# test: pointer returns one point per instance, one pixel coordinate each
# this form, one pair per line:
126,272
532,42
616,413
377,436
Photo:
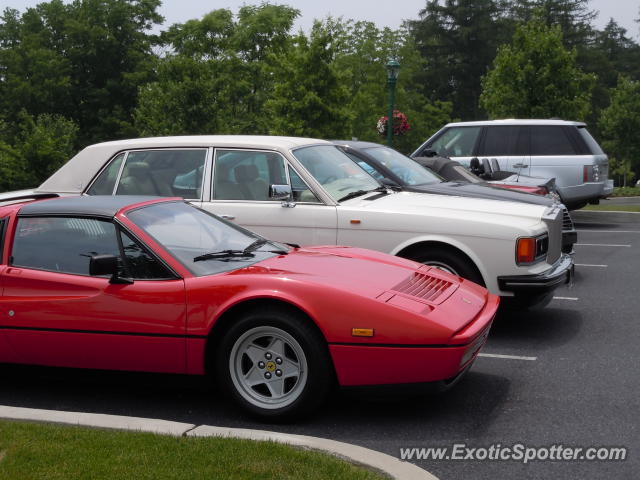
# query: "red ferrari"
157,285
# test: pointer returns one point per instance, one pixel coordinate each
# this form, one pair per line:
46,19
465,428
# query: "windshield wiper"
230,253
359,193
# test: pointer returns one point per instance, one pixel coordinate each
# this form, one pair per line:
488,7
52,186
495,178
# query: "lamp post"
393,67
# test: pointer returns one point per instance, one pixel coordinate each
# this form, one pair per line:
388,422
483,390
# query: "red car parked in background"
148,284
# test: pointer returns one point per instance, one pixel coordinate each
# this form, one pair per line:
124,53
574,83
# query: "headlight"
531,249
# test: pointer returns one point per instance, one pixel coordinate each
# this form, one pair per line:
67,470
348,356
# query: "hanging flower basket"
400,124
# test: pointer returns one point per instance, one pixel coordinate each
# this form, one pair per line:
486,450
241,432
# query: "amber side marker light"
362,332
526,250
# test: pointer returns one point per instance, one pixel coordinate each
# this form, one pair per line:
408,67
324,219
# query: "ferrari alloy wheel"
275,363
268,367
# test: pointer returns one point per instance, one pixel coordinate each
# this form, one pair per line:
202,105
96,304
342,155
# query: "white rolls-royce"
307,191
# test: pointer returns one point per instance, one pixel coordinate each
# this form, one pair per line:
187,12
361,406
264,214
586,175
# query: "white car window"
456,142
335,171
246,174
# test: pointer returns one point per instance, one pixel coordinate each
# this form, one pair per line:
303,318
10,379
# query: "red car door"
52,312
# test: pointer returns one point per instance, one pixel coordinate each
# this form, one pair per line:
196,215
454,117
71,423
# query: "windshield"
409,171
191,235
335,171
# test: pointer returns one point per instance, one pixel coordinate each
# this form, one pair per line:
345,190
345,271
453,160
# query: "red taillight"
526,250
585,173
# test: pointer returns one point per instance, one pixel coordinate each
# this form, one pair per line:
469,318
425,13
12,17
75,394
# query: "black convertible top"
97,205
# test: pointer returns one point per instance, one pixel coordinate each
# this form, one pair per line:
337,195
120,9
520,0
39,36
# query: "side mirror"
107,265
282,193
279,192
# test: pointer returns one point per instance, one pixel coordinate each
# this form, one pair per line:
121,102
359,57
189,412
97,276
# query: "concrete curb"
382,462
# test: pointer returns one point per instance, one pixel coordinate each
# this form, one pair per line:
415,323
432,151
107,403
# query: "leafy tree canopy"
536,77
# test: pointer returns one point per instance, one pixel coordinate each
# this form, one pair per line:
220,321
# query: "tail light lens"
591,173
531,249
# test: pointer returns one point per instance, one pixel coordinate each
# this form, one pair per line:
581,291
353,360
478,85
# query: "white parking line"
508,357
590,265
600,245
573,299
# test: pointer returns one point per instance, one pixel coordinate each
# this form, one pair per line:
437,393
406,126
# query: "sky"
384,13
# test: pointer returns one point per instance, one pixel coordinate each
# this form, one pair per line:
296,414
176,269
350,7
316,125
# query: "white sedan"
307,191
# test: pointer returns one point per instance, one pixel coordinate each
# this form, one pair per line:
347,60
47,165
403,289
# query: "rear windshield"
593,146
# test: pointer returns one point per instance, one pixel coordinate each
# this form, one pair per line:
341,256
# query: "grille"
567,223
423,286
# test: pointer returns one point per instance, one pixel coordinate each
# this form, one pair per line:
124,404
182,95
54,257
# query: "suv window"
504,141
75,241
165,173
247,175
592,145
456,142
550,140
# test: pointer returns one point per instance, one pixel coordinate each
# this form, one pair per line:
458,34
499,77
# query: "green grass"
30,451
626,192
613,208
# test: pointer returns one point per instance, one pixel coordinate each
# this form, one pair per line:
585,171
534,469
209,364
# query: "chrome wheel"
268,367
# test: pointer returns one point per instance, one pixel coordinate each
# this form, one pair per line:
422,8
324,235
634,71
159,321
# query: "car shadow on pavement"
534,329
466,409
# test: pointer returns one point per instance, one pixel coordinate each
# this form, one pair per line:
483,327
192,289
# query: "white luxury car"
306,191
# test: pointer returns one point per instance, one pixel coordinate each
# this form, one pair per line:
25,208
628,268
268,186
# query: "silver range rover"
556,149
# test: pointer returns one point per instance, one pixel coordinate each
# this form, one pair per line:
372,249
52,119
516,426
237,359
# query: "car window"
105,182
140,264
403,167
504,140
203,243
366,167
165,173
593,146
550,140
335,171
62,244
246,175
300,190
456,142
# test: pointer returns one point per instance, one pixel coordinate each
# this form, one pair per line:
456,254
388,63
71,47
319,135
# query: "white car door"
240,193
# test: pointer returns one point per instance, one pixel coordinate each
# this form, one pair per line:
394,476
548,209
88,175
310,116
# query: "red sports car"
148,284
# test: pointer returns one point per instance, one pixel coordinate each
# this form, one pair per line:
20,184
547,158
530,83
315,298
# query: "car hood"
341,284
360,271
462,189
448,207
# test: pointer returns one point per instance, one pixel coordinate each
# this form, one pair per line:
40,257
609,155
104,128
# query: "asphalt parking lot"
563,375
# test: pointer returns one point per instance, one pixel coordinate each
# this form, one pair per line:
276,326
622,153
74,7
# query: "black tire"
311,389
453,261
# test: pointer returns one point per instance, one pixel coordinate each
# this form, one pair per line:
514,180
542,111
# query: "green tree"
620,123
83,60
363,52
573,17
536,77
309,96
41,145
458,39
216,77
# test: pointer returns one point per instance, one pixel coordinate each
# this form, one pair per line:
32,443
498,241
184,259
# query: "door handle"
520,165
228,217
